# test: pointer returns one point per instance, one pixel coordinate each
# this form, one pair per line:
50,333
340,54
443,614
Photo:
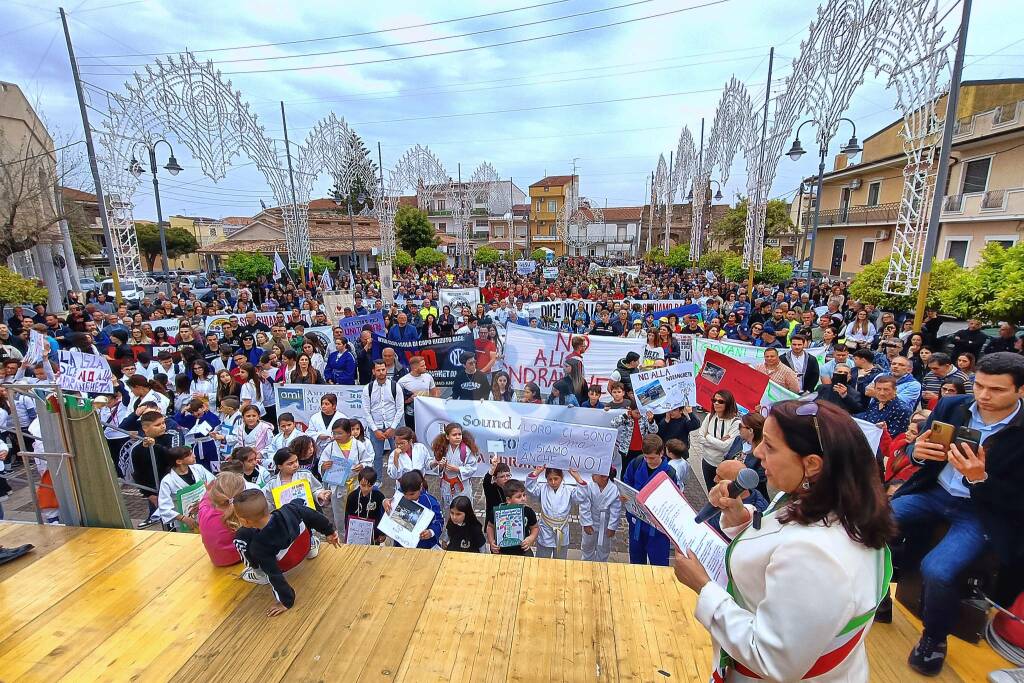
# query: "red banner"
722,372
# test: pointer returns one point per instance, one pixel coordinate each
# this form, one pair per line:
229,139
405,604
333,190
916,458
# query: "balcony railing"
854,215
954,203
994,200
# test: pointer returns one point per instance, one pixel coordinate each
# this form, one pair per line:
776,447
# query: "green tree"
357,165
993,290
413,230
732,226
15,289
866,285
402,259
539,255
486,256
179,242
319,263
511,255
245,265
679,256
713,261
773,270
428,257
655,255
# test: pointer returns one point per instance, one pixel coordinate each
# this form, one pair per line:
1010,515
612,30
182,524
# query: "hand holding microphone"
727,497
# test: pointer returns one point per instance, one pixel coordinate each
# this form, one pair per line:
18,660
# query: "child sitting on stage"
600,514
515,494
184,472
366,502
273,542
217,520
287,464
555,505
465,535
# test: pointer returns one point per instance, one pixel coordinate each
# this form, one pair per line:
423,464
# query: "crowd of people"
192,404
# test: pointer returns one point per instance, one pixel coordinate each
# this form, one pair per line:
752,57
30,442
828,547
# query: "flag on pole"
352,281
326,282
310,274
278,267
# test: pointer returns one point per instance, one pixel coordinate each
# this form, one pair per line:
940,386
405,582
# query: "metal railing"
855,215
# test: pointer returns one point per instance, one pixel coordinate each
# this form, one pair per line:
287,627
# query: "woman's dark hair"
507,395
848,486
970,356
958,385
755,423
464,505
730,403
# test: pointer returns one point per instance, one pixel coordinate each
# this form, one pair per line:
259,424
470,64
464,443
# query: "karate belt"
454,482
558,525
841,646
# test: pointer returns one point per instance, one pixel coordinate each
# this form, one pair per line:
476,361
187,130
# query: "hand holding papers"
408,519
665,504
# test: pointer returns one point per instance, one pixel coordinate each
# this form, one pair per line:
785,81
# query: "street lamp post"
172,167
796,151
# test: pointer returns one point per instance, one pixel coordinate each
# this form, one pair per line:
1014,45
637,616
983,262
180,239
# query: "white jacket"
420,458
800,585
708,442
601,507
384,409
360,453
171,484
555,507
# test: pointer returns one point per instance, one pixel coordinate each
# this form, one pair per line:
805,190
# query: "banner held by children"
566,446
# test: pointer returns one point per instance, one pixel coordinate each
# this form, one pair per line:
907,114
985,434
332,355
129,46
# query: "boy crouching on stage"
272,542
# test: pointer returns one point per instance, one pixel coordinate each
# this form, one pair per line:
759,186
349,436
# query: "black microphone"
746,480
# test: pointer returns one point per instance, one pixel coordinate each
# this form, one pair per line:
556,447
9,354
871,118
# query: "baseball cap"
768,329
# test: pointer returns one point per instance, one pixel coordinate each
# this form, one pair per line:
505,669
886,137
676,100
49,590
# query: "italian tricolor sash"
840,647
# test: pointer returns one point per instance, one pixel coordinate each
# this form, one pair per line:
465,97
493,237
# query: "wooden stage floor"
101,604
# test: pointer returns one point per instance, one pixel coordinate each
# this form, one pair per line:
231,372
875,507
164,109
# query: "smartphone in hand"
971,437
942,434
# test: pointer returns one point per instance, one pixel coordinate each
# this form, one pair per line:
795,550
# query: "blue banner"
442,355
353,325
680,311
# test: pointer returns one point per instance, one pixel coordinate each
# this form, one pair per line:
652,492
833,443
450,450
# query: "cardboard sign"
566,446
662,389
335,304
526,267
550,273
457,298
298,489
722,372
85,372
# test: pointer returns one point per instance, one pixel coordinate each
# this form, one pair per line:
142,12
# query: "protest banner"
661,389
562,309
443,355
170,325
214,323
387,284
741,351
629,271
680,311
335,304
550,272
495,424
481,277
85,372
353,325
38,347
585,448
685,347
303,400
723,372
457,298
526,267
535,355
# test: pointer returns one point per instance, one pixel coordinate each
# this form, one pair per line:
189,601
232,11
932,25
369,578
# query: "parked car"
88,284
131,289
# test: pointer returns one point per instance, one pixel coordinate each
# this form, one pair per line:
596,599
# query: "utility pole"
942,174
91,149
760,176
291,181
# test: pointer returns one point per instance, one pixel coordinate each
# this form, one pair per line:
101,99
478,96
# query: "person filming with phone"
972,479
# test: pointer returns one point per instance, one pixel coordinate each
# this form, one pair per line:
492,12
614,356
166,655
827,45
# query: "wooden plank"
496,625
532,655
345,641
73,627
45,537
27,594
232,653
159,639
390,648
591,623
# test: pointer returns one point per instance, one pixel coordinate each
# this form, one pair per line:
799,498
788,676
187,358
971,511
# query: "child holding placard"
455,458
184,473
273,542
515,515
340,464
556,501
365,503
600,515
288,471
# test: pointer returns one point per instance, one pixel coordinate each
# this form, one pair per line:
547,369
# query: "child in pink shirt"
217,520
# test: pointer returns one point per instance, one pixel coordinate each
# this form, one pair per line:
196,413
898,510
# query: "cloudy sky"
508,91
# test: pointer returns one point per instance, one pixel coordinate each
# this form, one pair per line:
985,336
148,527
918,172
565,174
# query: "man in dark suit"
976,491
804,364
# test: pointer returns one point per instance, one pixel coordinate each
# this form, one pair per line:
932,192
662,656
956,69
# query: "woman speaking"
806,576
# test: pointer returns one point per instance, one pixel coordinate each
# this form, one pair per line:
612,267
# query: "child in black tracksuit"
272,542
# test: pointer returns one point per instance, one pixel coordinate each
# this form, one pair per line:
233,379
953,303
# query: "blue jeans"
964,542
378,452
